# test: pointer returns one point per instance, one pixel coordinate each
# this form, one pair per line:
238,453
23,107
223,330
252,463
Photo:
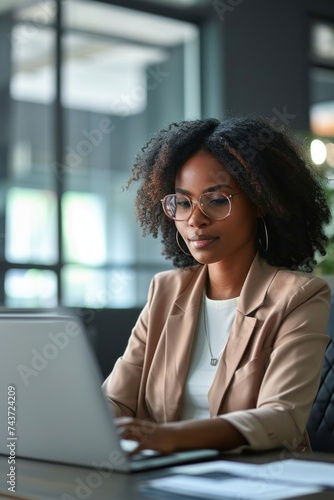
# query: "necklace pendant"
214,361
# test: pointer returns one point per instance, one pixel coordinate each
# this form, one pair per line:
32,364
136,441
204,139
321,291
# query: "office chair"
320,425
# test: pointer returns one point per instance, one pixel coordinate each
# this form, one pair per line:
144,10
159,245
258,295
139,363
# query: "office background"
83,86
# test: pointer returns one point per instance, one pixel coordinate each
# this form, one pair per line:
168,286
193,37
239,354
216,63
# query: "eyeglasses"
215,205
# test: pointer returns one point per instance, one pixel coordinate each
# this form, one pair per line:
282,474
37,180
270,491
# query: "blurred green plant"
326,264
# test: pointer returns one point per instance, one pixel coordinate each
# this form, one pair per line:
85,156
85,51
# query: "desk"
42,481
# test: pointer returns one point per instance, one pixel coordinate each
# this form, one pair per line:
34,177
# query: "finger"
123,421
136,450
129,433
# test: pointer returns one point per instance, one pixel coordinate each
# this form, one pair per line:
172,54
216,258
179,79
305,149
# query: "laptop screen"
50,392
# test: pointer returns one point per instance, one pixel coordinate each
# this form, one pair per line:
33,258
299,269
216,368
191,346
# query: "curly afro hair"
269,165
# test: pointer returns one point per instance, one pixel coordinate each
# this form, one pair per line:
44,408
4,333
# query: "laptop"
52,406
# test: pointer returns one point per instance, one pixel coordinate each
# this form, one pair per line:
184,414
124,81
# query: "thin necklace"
214,359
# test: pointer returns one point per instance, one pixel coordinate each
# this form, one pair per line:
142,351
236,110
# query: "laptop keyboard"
129,445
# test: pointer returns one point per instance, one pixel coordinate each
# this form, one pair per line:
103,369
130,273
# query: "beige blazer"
268,375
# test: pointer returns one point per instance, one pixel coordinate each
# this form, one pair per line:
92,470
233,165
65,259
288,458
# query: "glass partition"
110,76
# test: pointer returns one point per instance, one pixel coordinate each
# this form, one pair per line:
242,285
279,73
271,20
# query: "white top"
220,316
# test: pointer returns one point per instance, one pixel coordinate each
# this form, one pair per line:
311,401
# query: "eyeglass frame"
197,201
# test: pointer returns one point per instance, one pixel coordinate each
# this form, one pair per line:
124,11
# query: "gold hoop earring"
179,245
266,245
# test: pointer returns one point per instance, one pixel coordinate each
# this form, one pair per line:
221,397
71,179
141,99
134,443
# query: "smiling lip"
201,241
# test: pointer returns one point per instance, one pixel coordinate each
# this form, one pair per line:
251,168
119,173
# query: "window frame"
208,25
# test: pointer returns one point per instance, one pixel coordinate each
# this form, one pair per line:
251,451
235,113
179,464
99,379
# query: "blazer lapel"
238,339
179,336
252,296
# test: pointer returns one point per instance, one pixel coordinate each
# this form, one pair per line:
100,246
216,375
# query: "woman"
228,350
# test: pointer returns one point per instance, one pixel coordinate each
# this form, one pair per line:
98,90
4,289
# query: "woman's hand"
149,435
213,433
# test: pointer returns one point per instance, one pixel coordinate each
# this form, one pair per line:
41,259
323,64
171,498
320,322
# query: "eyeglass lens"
214,205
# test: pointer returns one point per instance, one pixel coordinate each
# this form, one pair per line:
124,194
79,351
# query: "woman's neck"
225,280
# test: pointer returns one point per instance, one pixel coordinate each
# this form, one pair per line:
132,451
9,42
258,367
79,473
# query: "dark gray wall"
264,53
266,59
